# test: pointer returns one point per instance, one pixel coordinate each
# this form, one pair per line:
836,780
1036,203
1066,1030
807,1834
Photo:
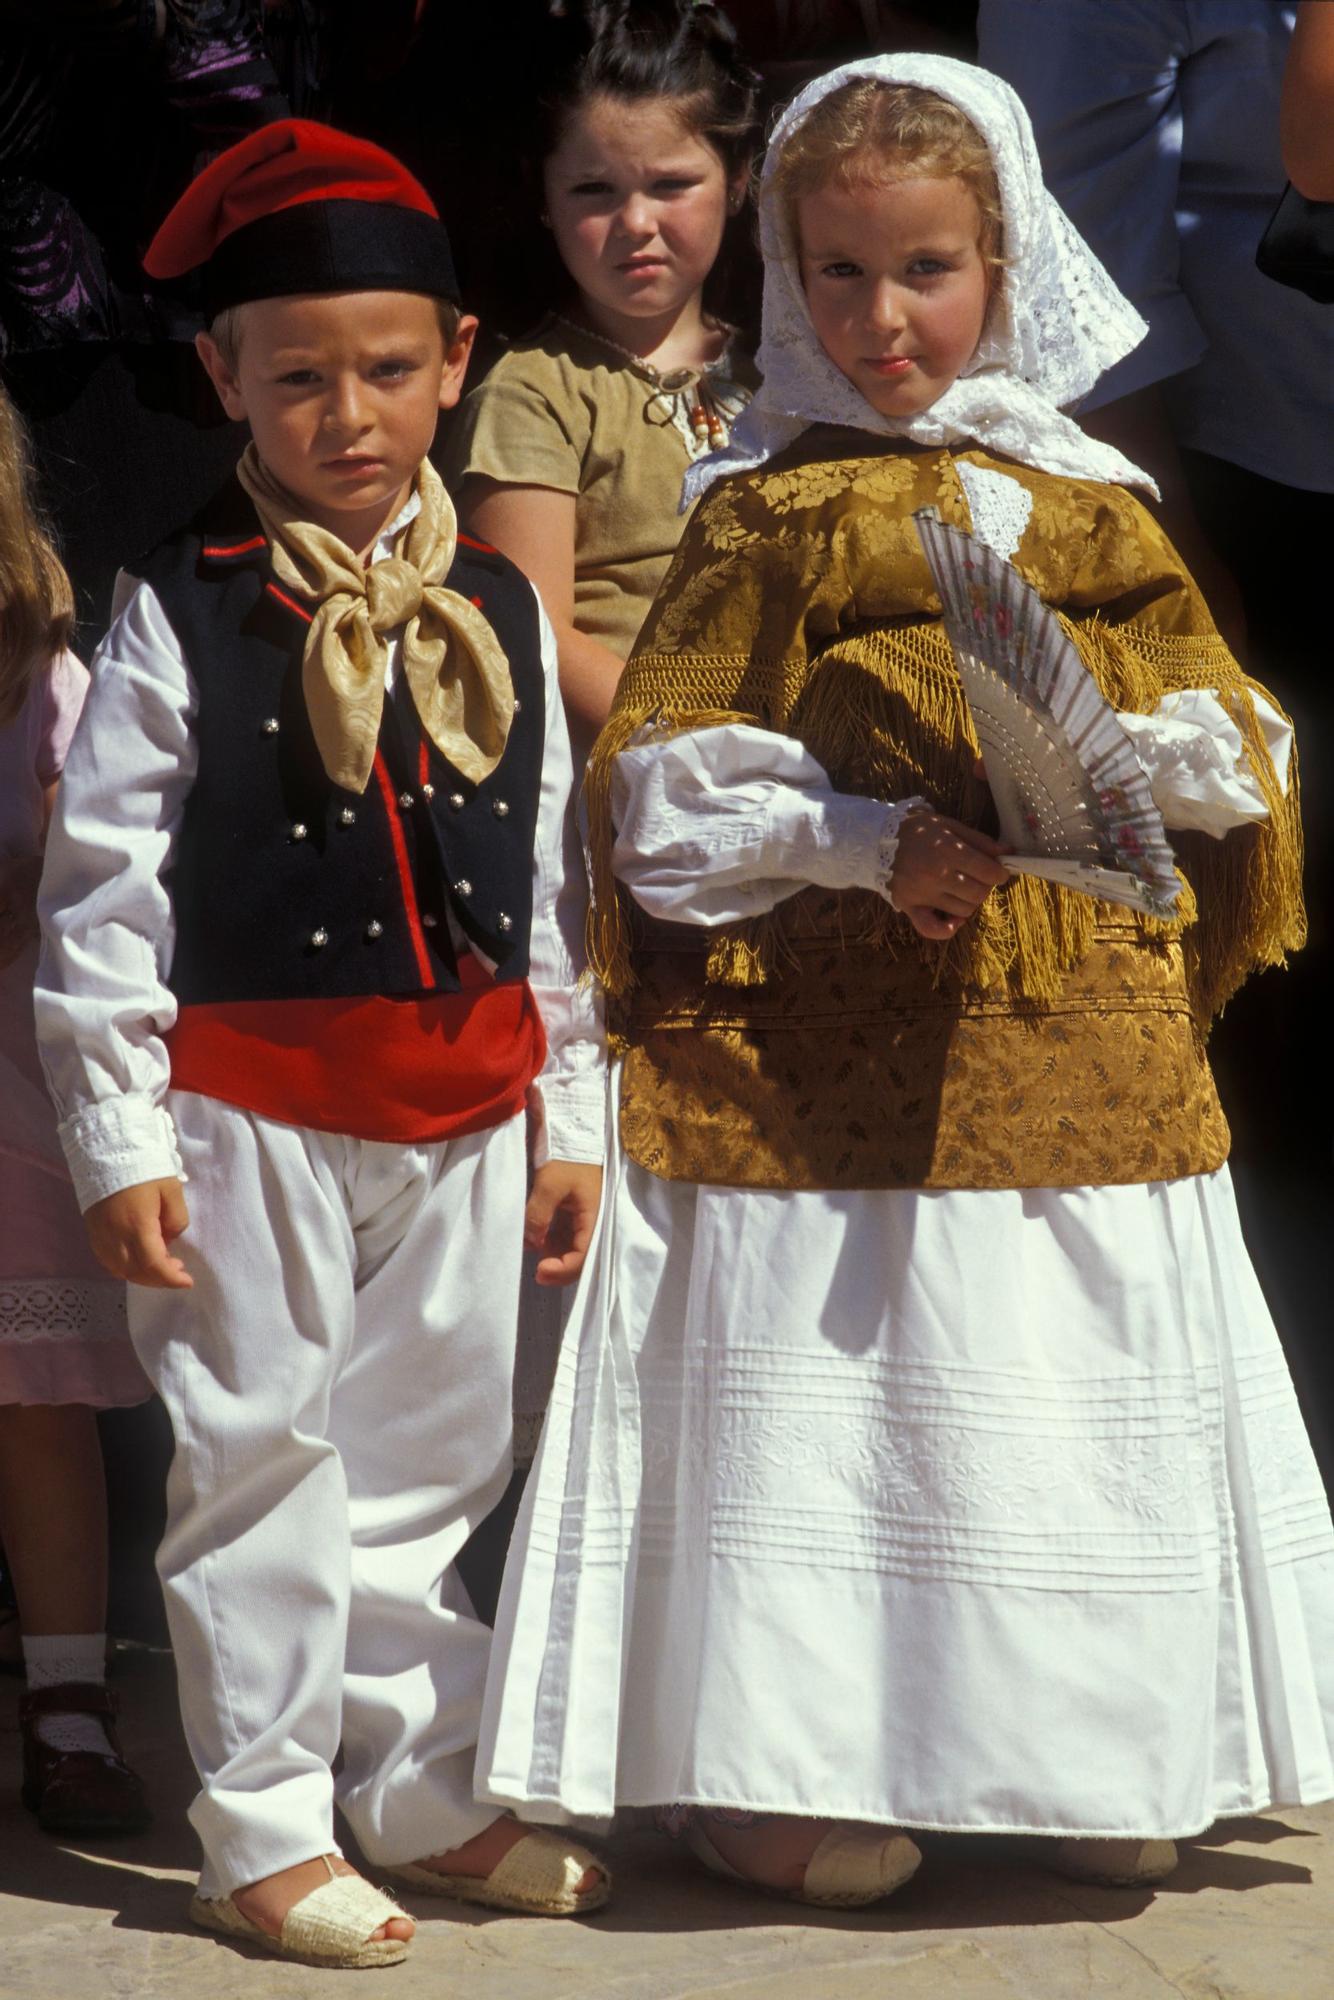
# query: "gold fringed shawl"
800,599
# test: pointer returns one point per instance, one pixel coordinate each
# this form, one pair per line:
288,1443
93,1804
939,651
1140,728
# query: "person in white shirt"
311,948
1158,126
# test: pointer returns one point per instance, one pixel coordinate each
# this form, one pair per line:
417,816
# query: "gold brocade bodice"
1055,1041
849,1068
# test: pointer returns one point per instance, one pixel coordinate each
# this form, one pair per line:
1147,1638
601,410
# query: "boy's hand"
18,905
559,1218
131,1229
942,871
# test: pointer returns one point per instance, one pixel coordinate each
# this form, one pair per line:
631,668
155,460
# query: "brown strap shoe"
78,1791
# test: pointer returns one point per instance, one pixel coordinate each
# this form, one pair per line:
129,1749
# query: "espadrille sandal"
1117,1864
846,1872
333,1926
539,1876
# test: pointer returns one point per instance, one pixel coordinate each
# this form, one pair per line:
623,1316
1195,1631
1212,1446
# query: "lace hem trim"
62,1309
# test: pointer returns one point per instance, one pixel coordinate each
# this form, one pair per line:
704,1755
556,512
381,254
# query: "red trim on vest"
406,886
402,1071
471,541
423,763
236,548
290,602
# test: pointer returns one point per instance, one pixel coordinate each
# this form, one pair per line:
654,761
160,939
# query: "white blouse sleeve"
108,931
1196,763
573,1084
721,824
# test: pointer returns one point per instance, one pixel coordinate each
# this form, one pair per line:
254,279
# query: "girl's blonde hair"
36,602
883,132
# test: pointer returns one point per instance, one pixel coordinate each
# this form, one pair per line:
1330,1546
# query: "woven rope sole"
330,1927
538,1877
1116,1864
847,1871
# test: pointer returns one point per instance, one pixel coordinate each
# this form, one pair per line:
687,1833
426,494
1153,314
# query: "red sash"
405,1071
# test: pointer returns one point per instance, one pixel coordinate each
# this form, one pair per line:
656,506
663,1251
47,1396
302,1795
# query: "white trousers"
338,1382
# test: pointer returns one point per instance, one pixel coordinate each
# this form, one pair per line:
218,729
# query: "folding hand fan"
1071,795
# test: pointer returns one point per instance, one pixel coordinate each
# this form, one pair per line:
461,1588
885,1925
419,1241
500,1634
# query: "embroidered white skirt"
974,1511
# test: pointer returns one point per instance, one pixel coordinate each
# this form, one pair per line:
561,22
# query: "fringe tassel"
884,712
610,911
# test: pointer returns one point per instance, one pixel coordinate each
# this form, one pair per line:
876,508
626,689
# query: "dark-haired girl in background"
572,450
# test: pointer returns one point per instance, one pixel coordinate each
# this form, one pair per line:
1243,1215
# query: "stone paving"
1248,1916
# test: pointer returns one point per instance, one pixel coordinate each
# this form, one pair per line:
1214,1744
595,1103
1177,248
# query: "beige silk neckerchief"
452,660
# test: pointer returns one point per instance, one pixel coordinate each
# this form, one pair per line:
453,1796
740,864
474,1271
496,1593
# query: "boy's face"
897,285
341,393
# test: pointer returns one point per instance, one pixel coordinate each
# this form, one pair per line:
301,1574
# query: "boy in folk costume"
310,946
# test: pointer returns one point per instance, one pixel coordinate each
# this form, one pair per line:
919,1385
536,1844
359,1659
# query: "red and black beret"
297,207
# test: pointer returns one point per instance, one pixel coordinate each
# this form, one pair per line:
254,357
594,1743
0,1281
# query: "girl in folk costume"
64,1342
922,1454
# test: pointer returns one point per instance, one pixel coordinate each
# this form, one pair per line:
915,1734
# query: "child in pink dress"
64,1344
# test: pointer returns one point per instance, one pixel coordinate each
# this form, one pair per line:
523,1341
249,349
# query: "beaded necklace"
707,415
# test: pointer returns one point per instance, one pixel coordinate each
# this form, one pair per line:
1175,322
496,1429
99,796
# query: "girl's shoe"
846,1872
1118,1864
540,1876
333,1926
78,1791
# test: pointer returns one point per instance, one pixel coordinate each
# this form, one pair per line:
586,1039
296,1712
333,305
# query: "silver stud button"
347,817
269,726
319,938
428,791
463,887
504,922
299,830
500,808
374,929
405,799
517,704
456,800
430,919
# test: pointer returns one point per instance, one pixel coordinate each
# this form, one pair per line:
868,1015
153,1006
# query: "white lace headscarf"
1056,323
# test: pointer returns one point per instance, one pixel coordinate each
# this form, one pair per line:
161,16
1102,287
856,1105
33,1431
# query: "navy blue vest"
286,887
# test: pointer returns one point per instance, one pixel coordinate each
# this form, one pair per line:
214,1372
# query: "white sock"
51,1660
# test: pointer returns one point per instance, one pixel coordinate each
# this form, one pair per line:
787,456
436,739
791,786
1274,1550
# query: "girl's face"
637,204
896,285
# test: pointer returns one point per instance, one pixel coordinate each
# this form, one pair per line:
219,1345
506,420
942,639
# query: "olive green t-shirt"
567,410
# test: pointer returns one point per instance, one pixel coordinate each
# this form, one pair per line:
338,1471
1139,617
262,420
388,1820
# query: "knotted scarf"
452,661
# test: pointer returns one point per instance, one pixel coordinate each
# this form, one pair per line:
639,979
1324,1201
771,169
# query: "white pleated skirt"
979,1511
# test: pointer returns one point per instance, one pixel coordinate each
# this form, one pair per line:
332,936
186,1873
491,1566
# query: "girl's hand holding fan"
1072,797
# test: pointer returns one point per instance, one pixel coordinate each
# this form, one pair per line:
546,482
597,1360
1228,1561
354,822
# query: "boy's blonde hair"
876,133
225,330
36,602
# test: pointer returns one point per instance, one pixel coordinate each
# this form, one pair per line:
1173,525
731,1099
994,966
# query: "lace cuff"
870,844
116,1144
1196,764
850,842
